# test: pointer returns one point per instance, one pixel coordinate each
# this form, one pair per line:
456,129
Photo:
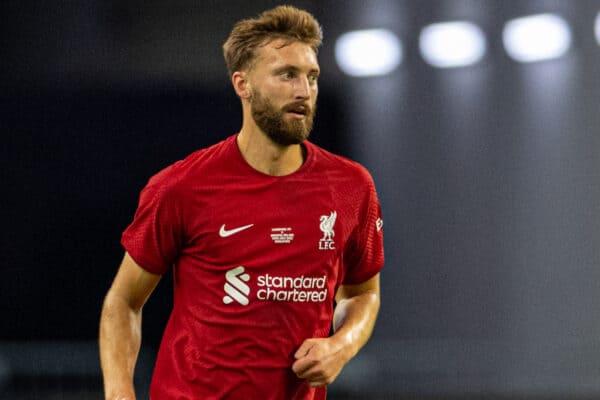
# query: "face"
284,90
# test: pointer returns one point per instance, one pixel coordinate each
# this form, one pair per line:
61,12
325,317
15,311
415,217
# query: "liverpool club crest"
326,226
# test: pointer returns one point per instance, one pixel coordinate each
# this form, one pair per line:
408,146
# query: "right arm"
121,326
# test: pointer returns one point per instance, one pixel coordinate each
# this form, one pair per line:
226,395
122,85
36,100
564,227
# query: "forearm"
120,340
354,319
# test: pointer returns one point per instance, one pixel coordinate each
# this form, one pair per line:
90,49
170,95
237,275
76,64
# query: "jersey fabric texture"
256,263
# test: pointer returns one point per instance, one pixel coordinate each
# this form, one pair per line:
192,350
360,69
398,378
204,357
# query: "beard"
271,121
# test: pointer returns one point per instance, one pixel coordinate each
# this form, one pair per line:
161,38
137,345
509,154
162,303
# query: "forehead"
278,52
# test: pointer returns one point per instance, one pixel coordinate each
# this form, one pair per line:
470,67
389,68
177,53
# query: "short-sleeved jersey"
256,262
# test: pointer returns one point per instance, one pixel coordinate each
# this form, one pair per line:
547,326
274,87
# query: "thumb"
304,348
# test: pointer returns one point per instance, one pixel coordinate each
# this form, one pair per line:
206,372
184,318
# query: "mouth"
297,111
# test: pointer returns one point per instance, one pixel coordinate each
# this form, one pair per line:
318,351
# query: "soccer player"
272,242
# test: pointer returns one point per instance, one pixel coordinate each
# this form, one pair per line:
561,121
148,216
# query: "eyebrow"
294,69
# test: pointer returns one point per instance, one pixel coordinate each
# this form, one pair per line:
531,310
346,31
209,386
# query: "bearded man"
275,244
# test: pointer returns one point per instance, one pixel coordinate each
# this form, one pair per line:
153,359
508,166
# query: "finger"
321,379
304,348
302,366
312,375
317,383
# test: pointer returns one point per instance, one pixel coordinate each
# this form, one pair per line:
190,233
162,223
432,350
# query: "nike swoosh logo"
228,232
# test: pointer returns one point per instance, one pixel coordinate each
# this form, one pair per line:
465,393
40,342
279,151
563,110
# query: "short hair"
283,22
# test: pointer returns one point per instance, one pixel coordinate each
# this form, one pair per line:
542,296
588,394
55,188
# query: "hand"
319,361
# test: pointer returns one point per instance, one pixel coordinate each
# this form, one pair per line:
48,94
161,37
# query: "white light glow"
452,44
536,37
368,52
597,28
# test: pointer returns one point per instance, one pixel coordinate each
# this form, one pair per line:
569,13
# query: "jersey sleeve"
155,236
364,257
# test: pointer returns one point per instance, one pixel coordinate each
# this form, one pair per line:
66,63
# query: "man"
264,232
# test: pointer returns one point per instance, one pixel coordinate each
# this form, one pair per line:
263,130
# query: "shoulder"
177,176
337,166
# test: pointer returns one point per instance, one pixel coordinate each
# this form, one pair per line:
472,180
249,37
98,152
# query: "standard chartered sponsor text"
286,288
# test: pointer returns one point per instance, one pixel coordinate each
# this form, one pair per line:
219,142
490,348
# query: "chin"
287,139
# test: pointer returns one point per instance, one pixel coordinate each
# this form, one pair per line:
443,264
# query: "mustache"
302,106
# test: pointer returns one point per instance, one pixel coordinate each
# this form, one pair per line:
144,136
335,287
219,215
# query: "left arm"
320,361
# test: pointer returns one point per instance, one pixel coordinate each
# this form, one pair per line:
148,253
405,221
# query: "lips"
299,110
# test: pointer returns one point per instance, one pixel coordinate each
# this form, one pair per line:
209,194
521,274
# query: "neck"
262,154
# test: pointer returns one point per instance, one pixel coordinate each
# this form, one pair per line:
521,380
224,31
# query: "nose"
302,88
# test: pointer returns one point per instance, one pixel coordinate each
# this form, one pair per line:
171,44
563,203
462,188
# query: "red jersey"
256,261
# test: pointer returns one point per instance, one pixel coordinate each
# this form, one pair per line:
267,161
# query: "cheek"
277,94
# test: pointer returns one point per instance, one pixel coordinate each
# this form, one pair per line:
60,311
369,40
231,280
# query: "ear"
242,87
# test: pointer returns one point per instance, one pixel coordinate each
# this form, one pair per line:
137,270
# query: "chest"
269,224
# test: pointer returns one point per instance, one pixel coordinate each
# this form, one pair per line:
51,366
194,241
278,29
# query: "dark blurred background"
488,176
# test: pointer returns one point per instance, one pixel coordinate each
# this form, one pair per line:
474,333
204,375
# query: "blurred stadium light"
598,27
536,37
368,52
452,44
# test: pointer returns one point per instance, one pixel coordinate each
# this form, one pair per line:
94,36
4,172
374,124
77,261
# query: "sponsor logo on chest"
298,289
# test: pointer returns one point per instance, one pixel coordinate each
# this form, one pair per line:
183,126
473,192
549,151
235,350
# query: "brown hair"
283,22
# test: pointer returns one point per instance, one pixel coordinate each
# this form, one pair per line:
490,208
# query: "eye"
288,75
313,78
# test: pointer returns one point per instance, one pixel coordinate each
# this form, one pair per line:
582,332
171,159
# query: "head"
272,61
